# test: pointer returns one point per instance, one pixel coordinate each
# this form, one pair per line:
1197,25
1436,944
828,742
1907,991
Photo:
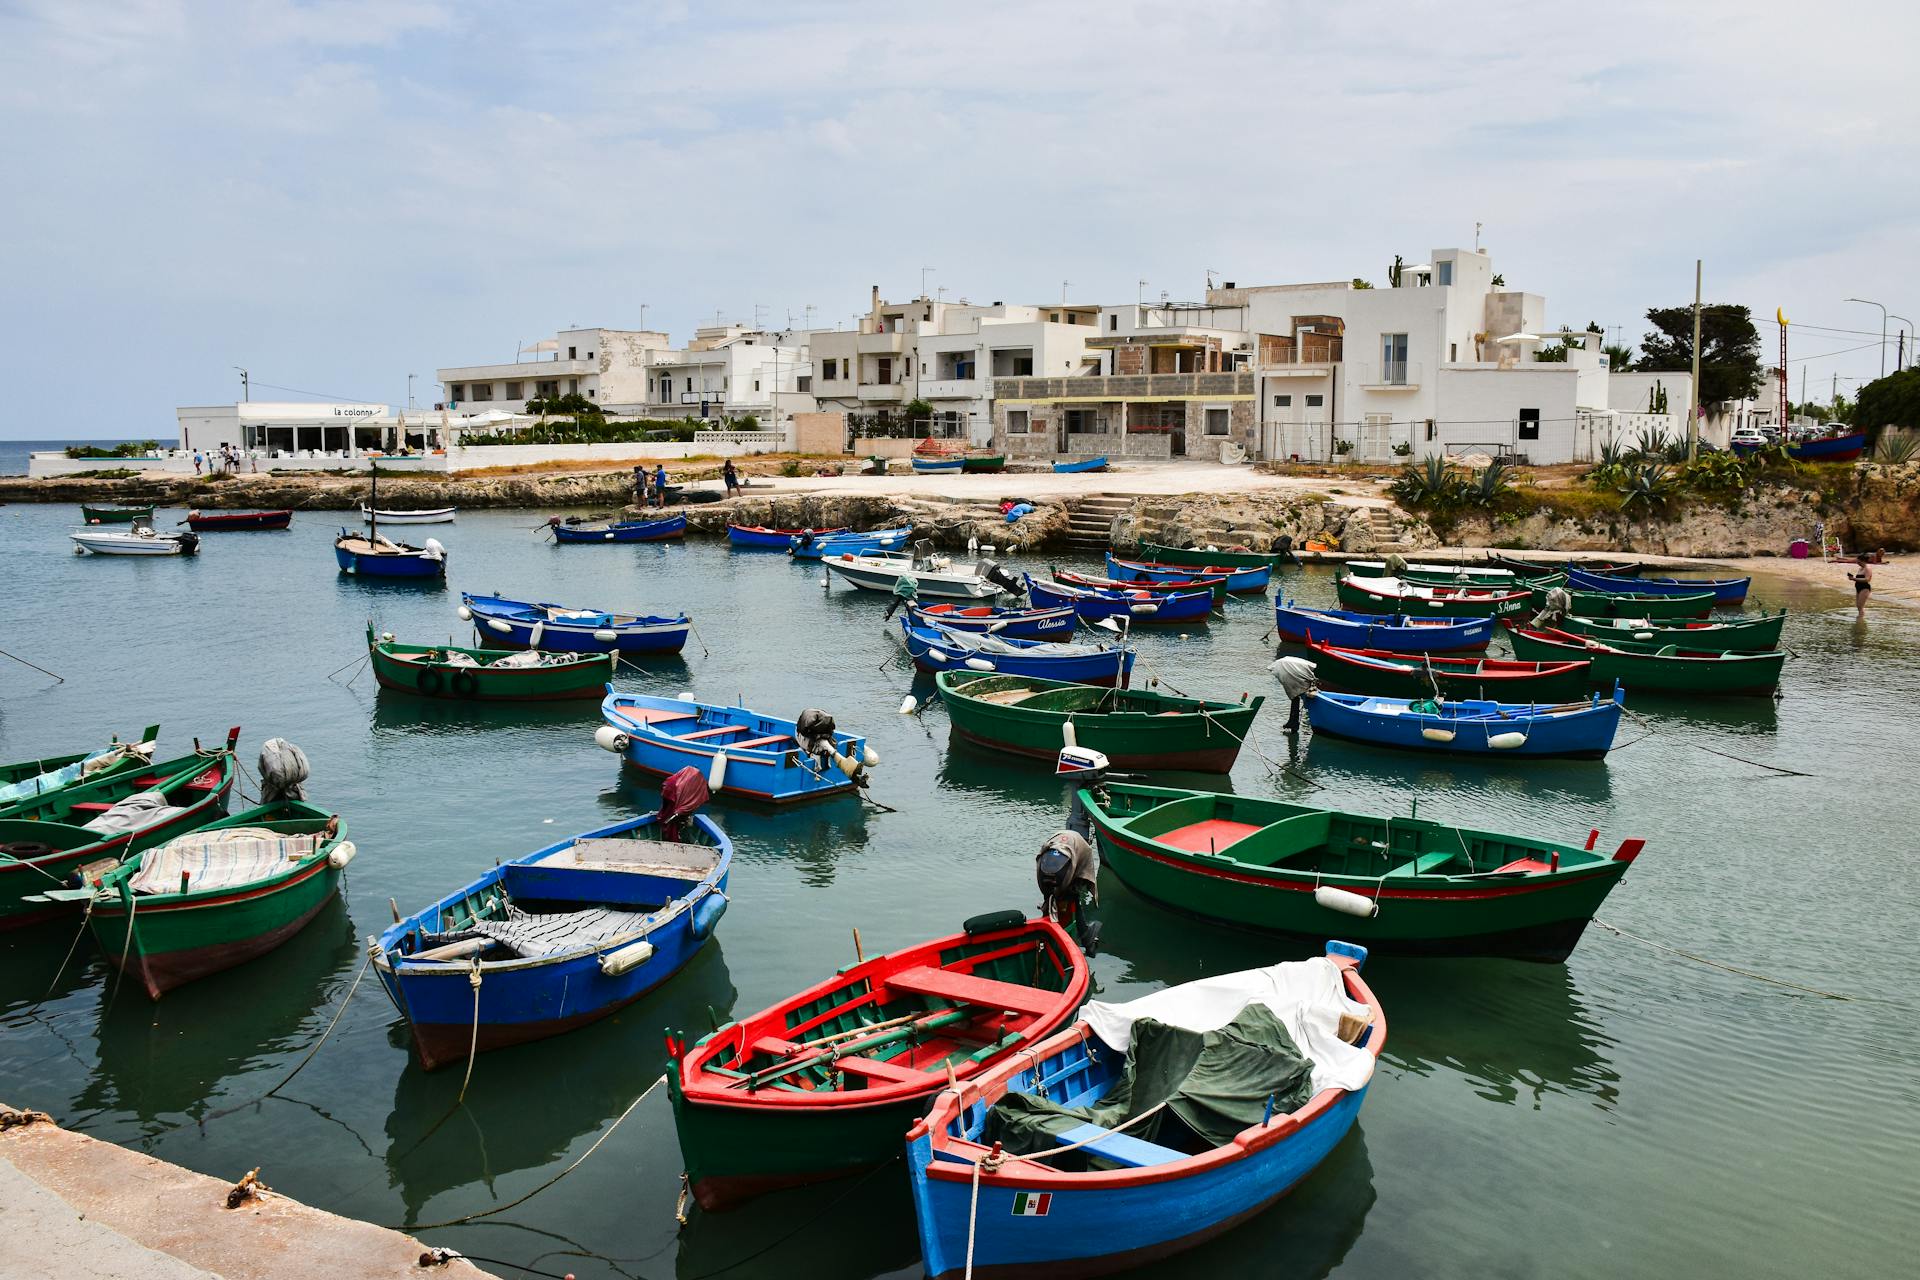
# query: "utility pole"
1780,314
1883,329
245,393
1900,352
1063,291
410,378
1693,391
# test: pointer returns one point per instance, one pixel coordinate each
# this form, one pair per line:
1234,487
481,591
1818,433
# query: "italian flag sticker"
1032,1204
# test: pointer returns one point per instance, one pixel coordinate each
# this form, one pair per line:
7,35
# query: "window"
756,384
1393,358
483,391
590,394
1113,322
513,391
1023,365
1283,402
1529,424
456,391
1016,422
572,353
1314,402
1083,422
1217,424
803,384
1453,353
1430,428
689,386
573,386
1443,272
589,355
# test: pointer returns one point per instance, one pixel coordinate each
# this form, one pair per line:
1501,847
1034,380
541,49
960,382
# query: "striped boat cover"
226,859
528,935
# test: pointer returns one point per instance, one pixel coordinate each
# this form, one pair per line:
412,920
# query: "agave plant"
1425,484
1612,454
1488,484
1647,488
1897,447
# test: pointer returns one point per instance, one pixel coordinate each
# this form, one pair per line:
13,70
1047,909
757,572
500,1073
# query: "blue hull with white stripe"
1726,591
1473,727
933,649
1395,632
763,760
523,624
1142,607
817,546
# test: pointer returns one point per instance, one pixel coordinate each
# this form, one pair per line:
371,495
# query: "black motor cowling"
999,576
1067,870
813,730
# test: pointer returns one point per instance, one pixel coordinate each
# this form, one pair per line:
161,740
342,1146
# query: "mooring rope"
1758,764
1727,968
307,1057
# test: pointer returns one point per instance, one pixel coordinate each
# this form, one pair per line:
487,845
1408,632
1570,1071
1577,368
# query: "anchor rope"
1758,764
1727,968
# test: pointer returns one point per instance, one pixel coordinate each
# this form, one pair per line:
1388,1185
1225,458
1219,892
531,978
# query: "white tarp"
1308,996
137,812
224,859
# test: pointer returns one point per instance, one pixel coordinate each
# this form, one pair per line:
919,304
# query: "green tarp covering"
1215,1082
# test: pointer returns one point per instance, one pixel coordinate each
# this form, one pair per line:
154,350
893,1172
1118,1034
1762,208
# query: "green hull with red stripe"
1134,728
177,937
1204,558
1439,890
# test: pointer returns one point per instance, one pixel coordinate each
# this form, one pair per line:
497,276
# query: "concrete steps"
1090,521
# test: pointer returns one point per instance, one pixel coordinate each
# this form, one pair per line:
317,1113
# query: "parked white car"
1748,437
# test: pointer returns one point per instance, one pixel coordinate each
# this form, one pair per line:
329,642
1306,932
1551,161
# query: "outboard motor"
905,590
189,543
997,574
283,768
681,795
1067,869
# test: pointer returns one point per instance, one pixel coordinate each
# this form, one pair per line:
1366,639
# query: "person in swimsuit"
1862,578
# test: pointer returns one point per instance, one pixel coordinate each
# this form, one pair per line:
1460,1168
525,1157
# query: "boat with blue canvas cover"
523,624
1582,729
1146,1128
1054,623
937,649
619,530
563,936
1726,591
743,753
814,546
1395,632
1135,606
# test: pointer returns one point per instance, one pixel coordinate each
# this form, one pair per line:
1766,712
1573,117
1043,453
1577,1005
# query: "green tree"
1393,273
1729,349
917,410
1619,356
572,405
1358,283
1892,401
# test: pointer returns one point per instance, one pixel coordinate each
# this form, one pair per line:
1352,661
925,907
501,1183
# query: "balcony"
881,344
1143,386
1398,375
883,392
953,389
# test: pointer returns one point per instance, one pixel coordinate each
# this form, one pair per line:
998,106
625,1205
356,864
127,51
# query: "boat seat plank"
655,715
1524,864
1423,864
1121,1148
773,1047
1210,836
716,732
987,993
90,806
759,742
875,1069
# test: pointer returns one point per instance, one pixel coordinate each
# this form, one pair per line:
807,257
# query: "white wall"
520,455
1481,407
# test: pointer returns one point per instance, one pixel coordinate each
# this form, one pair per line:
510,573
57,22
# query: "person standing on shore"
730,476
660,484
196,462
1862,579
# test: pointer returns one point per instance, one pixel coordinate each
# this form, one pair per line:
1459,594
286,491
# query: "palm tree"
1619,356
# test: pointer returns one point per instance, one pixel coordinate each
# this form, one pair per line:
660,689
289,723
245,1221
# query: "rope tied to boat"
1758,764
1725,968
308,1057
473,1041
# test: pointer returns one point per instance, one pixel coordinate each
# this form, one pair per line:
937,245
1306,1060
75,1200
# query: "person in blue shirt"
660,483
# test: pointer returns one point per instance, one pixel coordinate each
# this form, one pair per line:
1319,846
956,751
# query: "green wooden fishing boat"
1655,668
1758,634
1392,595
45,842
1454,574
115,515
1202,558
1133,728
25,781
217,897
984,462
1627,604
487,675
1399,884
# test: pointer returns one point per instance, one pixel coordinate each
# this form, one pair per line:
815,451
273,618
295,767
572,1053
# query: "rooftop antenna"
941,293
1211,273
923,280
807,315
759,311
1476,236
1139,292
1063,291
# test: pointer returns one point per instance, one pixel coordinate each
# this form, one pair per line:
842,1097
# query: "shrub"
126,449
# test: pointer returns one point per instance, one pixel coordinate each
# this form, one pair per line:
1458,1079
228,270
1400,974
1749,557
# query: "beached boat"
1443,575
486,675
1757,634
827,1081
219,896
374,555
620,530
808,545
1401,883
1842,448
141,539
1134,605
1248,580
935,466
558,938
116,514
236,521
1392,595
933,576
742,752
1389,674
987,463
1055,623
1550,568
935,649
1133,728
524,624
1206,557
754,535
1055,1163
1395,632
1654,667
95,824
26,781
431,515
1084,464
1626,604
1729,592
1582,729
1215,586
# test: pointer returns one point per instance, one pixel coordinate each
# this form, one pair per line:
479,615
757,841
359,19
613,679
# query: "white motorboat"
933,576
439,515
140,539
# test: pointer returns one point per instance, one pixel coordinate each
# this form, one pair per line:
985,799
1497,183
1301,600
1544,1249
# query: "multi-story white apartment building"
607,366
731,371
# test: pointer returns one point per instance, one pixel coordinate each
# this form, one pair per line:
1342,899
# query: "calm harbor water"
1633,1112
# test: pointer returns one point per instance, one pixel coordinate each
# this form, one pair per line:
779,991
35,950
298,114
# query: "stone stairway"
1389,529
1090,521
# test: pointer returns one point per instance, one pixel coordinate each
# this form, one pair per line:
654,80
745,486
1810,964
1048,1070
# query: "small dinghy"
934,649
563,936
818,545
237,521
1146,1128
1657,666
826,1081
116,514
1394,632
1726,592
1759,633
139,539
26,781
1054,623
933,576
1581,729
761,537
432,515
486,675
742,752
524,624
1239,580
1395,595
1387,674
565,531
1136,728
1216,586
1133,604
1084,464
374,555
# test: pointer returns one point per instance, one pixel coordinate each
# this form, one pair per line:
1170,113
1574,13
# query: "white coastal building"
607,366
732,371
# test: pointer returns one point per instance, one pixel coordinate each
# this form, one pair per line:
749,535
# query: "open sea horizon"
14,453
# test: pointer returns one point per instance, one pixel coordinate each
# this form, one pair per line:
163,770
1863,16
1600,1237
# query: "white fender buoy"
1143,608
606,635
609,535
533,636
466,614
973,545
870,758
825,582
611,739
939,655
717,771
1643,635
1507,741
979,664
1069,736
500,626
1434,734
626,959
386,637
685,695
342,854
909,705
1352,904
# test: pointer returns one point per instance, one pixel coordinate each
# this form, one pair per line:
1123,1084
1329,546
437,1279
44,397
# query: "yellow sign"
1780,314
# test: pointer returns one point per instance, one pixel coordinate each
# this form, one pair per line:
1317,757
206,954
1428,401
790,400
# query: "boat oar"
946,1017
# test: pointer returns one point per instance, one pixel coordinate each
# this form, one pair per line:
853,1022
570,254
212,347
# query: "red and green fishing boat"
1155,586
1133,728
1397,884
1653,667
487,675
1757,634
1208,557
217,897
1394,595
1384,673
26,781
827,1082
91,826
1628,604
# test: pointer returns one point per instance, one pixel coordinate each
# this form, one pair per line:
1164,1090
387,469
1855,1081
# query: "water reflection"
585,1079
808,1225
31,964
1327,759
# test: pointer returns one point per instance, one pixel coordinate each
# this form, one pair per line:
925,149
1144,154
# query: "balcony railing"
1392,375
1126,386
953,389
886,392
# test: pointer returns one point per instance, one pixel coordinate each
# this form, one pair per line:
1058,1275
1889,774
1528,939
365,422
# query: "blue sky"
335,195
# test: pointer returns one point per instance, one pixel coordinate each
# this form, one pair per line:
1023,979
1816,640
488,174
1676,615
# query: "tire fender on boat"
465,683
429,681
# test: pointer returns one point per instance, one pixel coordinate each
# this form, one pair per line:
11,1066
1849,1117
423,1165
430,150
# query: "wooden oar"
945,1017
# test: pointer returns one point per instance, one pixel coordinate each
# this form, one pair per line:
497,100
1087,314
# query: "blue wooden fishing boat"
935,648
1726,591
1029,1170
1396,632
1085,464
813,546
1843,448
374,555
759,536
1582,729
620,530
521,624
1143,606
1055,623
561,937
1241,580
929,466
742,752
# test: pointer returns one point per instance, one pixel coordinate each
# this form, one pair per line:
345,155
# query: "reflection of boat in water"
170,1059
744,1244
590,1076
1577,782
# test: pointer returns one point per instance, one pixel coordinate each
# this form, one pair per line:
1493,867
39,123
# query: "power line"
318,395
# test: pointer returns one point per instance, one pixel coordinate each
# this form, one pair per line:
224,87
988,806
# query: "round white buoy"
973,544
1433,734
870,758
606,635
608,738
717,771
1643,635
939,655
1507,741
466,614
533,636
1352,904
979,664
500,626
909,705
387,636
685,695
825,582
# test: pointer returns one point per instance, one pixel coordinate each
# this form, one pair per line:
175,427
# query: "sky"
336,194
